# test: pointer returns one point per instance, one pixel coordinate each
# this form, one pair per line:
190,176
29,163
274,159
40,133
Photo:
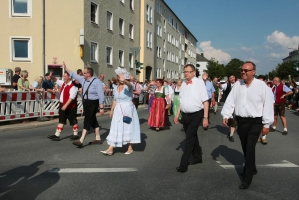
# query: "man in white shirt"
67,107
194,106
252,102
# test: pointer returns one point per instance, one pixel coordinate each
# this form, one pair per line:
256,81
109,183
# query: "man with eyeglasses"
227,87
93,100
252,102
194,107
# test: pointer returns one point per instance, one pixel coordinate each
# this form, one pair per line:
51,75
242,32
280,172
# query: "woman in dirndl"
161,102
176,101
121,132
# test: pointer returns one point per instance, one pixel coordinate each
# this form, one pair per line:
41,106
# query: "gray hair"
24,73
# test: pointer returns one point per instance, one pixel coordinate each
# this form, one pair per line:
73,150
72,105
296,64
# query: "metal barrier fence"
24,105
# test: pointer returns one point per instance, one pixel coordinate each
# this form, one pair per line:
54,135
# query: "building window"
159,52
20,8
159,9
121,58
131,31
94,13
109,21
149,39
132,4
149,13
94,52
164,26
164,45
121,26
109,55
123,1
21,49
131,61
159,30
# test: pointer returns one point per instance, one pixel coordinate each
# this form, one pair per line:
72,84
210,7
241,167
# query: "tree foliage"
233,67
214,69
285,69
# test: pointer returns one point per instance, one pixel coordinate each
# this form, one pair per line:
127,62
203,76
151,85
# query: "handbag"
126,119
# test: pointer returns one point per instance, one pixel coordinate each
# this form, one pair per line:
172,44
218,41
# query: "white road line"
90,170
284,164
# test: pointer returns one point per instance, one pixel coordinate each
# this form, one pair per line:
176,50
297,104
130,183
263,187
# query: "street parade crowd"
251,107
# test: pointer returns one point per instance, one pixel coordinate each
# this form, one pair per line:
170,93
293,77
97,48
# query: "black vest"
227,91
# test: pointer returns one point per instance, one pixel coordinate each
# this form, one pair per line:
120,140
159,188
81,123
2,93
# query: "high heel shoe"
157,129
129,152
107,153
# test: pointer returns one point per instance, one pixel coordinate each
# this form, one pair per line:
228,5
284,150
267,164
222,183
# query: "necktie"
189,82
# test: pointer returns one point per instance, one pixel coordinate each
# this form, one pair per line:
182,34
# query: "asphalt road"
34,167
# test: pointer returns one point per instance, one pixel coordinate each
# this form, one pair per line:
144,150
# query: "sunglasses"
246,70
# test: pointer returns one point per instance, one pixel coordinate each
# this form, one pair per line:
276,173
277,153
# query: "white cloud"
253,60
245,49
279,38
275,55
210,52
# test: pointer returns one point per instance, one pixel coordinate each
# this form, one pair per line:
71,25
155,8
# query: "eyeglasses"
246,70
188,71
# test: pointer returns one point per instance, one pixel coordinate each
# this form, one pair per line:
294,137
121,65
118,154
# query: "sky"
261,31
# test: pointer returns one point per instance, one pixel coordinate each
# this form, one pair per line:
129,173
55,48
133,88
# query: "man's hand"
282,97
176,120
102,111
63,107
64,66
265,131
205,123
224,122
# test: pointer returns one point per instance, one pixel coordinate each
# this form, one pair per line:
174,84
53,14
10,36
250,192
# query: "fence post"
41,117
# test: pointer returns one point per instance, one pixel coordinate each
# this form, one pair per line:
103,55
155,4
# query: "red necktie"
189,82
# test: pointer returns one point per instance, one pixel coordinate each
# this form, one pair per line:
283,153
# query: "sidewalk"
16,125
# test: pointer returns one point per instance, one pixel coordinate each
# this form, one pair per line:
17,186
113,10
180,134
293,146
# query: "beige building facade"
93,33
38,35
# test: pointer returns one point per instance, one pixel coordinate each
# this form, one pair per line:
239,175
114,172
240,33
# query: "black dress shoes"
179,169
194,162
244,186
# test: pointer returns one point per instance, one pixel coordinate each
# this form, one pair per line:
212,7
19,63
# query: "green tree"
285,69
214,69
233,67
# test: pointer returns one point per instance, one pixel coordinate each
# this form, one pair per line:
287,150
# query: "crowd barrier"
24,105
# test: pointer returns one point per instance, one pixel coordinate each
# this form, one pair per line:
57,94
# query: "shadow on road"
21,182
221,129
136,147
232,156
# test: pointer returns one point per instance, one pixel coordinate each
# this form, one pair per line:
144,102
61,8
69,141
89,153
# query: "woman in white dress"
122,133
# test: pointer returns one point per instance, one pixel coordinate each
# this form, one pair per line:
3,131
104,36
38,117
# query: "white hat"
123,71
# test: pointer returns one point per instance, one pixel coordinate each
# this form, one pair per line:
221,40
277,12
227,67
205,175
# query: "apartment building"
38,35
166,43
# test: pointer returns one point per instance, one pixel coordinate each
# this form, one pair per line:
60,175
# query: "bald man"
280,92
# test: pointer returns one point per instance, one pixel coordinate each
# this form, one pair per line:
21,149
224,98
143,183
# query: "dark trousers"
249,130
191,123
136,102
91,108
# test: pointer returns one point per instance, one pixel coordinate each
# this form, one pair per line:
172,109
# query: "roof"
200,58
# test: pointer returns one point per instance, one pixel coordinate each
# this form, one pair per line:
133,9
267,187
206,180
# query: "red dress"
157,113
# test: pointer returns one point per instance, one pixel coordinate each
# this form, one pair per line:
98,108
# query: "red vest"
66,95
279,93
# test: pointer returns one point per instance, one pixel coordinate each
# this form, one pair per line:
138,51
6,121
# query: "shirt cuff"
266,125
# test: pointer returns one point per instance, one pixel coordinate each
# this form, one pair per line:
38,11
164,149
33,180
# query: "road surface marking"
284,164
90,170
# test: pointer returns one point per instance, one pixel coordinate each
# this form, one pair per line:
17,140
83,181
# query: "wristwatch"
205,117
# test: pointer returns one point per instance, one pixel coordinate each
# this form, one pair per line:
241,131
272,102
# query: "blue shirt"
48,85
210,88
95,91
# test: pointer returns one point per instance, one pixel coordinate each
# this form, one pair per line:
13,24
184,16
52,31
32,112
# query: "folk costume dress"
157,113
176,102
151,91
122,133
